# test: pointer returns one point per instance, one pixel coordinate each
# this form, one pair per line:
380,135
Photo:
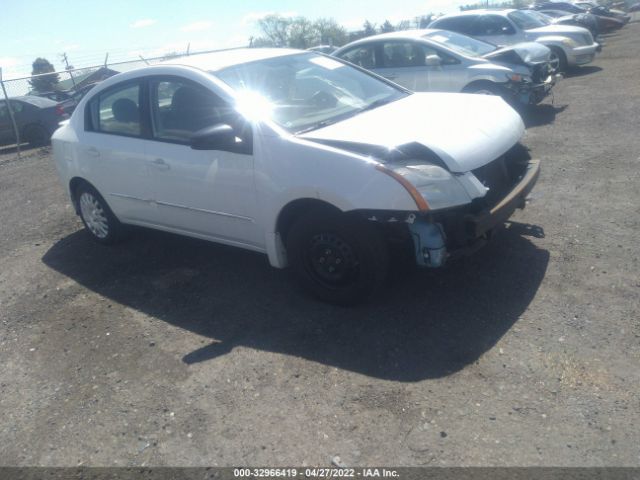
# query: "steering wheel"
323,99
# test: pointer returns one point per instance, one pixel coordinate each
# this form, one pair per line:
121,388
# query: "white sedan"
314,162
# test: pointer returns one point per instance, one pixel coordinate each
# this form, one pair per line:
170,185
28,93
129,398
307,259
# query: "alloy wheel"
94,215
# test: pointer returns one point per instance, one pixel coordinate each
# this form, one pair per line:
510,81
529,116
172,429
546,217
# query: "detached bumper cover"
479,224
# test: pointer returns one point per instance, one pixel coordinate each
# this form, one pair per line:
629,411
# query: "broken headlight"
435,184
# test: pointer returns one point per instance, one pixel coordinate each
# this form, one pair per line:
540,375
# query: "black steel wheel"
340,259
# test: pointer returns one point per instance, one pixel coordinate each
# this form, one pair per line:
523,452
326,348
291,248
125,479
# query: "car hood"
464,131
528,53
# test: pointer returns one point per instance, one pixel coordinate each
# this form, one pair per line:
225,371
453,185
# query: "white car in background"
444,61
302,157
570,46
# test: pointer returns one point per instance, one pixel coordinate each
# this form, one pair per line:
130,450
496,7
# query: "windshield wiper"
376,104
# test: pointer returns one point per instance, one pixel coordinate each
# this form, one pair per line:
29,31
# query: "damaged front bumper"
438,236
530,93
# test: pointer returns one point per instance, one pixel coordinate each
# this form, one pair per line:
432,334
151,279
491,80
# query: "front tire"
96,215
338,258
558,60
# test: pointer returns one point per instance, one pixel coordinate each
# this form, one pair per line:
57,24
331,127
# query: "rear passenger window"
118,111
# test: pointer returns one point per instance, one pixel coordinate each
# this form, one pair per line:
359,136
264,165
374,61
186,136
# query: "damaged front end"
535,75
438,235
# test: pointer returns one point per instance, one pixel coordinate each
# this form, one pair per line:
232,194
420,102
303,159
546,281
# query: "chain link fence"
66,88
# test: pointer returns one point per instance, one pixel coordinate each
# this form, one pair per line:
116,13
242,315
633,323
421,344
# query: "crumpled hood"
530,53
465,131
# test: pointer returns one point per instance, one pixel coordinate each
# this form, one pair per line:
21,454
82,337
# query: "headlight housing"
438,187
568,42
518,78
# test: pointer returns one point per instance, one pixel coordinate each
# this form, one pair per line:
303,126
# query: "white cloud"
146,22
197,26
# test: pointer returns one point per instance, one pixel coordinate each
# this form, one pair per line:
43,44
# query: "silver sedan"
444,61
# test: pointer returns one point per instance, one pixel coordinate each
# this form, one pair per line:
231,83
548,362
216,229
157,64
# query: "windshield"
461,44
528,19
306,91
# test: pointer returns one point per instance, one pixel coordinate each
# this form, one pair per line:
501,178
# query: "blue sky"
87,29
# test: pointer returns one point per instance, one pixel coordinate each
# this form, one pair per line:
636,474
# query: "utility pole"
68,68
13,119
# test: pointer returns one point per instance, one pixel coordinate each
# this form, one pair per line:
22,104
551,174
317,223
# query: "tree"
298,32
403,25
44,83
330,32
368,28
387,27
275,29
302,34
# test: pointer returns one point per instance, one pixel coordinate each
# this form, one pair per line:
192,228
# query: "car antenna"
143,59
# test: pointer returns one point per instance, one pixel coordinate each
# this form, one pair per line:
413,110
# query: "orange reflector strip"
422,204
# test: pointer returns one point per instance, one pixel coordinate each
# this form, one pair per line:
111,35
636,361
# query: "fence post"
10,110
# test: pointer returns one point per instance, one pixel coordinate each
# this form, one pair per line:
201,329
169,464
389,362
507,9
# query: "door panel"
404,62
204,192
114,153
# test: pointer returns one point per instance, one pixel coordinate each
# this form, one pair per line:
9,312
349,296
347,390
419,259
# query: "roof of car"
503,11
214,61
41,102
400,35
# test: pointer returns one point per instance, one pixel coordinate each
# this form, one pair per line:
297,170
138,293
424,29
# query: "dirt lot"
169,351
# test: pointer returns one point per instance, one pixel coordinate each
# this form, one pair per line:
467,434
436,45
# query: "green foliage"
44,83
299,32
387,27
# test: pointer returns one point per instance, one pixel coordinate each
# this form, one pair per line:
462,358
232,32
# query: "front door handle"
160,164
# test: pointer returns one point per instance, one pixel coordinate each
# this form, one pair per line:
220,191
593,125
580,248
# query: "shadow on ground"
582,71
426,324
543,114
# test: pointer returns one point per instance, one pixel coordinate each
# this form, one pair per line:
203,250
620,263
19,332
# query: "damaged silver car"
443,61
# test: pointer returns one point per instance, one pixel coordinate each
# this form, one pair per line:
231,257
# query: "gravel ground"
170,351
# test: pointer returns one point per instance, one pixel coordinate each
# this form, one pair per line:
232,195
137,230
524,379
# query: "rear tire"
96,215
339,259
37,136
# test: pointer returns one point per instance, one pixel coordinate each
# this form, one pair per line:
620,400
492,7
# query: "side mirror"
432,61
217,137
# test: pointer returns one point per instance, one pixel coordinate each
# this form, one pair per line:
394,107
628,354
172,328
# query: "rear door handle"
160,164
94,152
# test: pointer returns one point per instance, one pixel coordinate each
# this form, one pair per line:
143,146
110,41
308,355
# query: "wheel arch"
74,184
480,82
295,208
286,217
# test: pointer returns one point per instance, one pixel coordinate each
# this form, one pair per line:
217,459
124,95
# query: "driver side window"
179,108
